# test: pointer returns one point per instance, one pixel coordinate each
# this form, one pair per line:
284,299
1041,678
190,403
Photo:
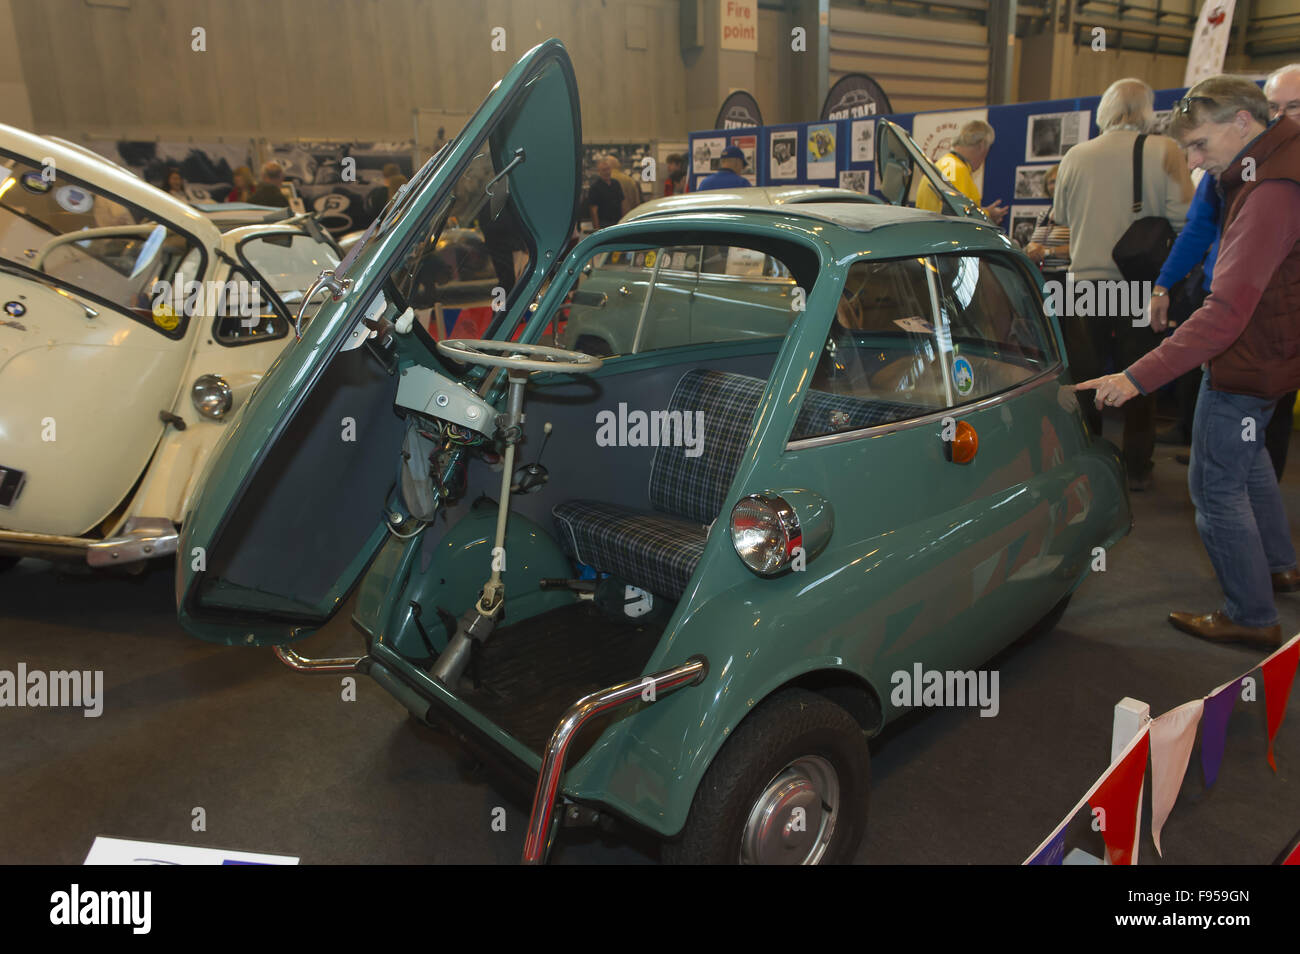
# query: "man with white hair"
1094,198
959,165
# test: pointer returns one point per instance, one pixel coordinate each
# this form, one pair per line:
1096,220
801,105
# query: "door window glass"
91,242
631,301
890,356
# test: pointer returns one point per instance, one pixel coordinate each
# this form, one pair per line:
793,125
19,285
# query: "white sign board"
119,851
739,25
1210,42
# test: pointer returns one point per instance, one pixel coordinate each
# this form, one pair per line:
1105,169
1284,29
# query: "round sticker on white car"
74,199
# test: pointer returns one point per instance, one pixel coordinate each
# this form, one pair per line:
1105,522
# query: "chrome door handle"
337,287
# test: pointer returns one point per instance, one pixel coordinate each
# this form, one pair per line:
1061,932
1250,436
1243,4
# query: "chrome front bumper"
543,820
143,538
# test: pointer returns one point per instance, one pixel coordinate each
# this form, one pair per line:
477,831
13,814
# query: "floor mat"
533,671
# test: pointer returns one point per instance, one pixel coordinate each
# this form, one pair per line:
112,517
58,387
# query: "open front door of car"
898,159
305,487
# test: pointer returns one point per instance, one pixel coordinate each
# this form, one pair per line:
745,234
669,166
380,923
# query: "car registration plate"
11,485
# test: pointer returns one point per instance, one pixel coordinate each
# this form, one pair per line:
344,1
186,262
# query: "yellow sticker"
649,259
165,318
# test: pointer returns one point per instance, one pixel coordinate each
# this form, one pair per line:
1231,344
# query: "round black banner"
854,96
739,111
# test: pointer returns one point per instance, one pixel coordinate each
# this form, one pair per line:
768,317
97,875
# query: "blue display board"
818,152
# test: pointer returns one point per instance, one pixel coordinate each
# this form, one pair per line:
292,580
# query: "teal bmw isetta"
669,583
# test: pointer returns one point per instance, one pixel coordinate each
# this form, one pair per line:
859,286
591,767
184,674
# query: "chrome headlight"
765,532
212,396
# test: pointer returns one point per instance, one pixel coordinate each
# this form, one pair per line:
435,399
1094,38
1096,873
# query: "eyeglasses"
1184,106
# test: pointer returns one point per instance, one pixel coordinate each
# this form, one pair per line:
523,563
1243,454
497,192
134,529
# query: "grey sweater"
1094,196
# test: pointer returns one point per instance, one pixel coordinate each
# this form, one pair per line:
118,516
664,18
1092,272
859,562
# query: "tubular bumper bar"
143,538
648,689
303,664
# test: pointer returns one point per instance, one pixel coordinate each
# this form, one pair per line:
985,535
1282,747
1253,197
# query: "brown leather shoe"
1218,628
1288,581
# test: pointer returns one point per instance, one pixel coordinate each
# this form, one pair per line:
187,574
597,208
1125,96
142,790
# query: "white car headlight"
212,396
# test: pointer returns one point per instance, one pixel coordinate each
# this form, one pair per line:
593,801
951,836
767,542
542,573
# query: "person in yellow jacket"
959,165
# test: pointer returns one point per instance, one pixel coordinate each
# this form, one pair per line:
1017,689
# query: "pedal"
574,586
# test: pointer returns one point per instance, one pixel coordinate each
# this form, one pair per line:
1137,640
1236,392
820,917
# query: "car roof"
841,224
747,198
83,164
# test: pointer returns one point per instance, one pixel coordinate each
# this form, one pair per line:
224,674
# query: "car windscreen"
91,242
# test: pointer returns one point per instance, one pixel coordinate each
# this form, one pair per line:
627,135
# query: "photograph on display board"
1161,124
1050,135
821,152
1031,182
749,146
705,155
859,180
784,148
1022,222
863,139
934,133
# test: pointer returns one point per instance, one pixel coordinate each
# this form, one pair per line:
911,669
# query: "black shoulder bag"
1141,251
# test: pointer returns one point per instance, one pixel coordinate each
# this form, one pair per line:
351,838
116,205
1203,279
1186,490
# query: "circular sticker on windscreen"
35,182
963,375
74,199
165,318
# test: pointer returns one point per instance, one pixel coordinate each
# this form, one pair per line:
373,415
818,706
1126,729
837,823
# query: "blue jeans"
1239,509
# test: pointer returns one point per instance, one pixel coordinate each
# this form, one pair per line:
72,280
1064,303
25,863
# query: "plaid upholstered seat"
659,550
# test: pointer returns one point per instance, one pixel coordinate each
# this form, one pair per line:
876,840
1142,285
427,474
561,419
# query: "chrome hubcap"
793,818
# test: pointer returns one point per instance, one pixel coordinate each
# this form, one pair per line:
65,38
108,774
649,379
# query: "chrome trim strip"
303,664
537,843
880,430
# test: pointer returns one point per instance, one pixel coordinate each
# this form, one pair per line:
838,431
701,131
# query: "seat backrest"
716,411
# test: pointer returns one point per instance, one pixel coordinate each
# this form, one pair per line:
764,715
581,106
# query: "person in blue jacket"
728,175
1197,244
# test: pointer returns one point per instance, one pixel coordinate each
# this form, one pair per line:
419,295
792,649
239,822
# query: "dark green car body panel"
929,561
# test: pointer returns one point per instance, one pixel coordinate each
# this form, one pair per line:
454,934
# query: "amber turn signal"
965,444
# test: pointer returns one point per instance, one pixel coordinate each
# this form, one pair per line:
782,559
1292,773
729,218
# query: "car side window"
883,360
1000,335
630,301
891,355
246,314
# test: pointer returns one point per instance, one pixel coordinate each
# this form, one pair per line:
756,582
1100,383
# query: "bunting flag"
1279,673
1214,727
1052,851
1117,795
1172,737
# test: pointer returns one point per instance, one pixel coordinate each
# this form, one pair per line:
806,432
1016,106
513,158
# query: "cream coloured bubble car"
131,329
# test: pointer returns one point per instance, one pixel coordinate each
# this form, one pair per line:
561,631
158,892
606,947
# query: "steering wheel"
107,231
517,356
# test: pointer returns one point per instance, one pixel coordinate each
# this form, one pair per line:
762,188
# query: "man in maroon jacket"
1248,331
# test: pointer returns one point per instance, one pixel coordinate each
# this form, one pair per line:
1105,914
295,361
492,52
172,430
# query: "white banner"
1210,43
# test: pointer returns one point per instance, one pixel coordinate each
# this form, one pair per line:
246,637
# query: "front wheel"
8,562
790,787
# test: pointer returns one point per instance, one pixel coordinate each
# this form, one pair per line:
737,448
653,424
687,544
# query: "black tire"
788,726
8,562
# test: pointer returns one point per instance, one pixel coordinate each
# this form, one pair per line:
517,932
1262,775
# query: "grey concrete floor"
281,763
